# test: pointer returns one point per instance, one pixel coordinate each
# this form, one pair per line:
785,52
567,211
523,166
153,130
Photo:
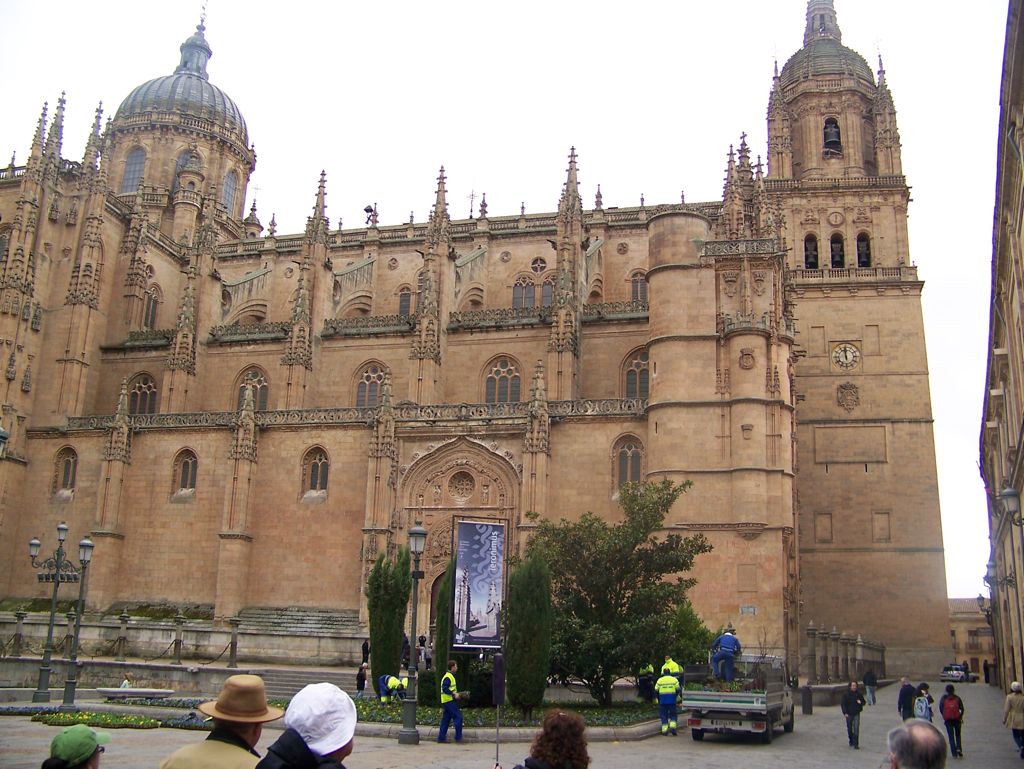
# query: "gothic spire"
317,225
439,226
55,136
570,204
821,22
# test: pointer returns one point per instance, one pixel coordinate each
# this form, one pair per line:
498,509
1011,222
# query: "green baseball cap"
77,743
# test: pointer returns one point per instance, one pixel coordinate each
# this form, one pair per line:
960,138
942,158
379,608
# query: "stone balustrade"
831,656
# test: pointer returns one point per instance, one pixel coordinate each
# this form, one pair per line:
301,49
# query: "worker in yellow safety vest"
668,689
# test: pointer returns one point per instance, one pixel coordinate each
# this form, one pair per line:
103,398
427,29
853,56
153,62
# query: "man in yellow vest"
674,668
451,708
392,688
668,698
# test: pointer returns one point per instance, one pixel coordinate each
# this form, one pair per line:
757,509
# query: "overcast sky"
381,94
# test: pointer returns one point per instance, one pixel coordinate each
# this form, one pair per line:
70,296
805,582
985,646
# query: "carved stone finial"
598,199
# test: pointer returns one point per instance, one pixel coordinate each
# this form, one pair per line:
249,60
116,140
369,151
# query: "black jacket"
870,679
905,703
852,702
942,702
290,752
536,763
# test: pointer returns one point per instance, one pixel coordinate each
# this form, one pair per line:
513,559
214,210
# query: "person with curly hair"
560,744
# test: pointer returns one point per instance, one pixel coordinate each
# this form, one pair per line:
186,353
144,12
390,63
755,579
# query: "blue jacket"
727,643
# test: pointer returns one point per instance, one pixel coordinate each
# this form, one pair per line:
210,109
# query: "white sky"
380,94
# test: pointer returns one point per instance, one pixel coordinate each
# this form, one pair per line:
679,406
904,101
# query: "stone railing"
250,332
615,311
780,185
503,317
409,413
831,656
150,338
10,173
759,246
731,325
854,274
366,325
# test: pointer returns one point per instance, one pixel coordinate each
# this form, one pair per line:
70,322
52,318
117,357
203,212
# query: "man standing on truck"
668,701
725,649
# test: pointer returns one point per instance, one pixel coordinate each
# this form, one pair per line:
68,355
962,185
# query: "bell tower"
868,507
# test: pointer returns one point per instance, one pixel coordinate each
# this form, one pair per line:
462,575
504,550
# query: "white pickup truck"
764,702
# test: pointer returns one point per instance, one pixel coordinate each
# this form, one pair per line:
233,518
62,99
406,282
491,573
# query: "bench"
115,693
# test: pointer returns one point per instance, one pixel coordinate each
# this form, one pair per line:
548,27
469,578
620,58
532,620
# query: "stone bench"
134,691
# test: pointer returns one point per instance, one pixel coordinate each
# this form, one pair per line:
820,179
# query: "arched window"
811,252
186,465
227,195
547,292
629,455
836,246
830,134
637,375
256,379
142,395
503,384
65,469
368,387
180,163
863,250
638,287
315,466
153,298
404,301
133,168
524,293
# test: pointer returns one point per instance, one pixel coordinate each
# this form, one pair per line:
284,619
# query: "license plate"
721,722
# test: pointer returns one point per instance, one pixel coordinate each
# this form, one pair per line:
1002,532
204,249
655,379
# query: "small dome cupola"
195,53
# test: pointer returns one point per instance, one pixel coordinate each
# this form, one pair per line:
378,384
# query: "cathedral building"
260,414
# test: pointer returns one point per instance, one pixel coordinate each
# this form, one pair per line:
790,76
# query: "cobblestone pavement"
818,741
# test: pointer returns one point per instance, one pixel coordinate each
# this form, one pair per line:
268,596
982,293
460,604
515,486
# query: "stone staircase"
301,621
285,682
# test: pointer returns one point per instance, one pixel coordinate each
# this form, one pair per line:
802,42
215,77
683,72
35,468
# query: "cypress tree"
442,635
387,595
528,633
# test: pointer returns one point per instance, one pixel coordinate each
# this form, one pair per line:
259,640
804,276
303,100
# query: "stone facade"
246,419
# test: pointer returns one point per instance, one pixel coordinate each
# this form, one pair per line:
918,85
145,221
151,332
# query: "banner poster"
479,585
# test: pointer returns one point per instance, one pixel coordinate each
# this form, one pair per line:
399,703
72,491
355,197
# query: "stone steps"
285,682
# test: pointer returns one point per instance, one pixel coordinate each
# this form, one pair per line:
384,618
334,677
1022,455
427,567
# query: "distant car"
957,673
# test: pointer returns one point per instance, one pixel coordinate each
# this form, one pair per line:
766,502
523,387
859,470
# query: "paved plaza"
819,741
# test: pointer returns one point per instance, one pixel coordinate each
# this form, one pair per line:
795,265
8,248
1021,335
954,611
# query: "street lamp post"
71,681
409,735
55,569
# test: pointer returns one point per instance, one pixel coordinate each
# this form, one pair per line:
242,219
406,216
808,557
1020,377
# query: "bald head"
917,744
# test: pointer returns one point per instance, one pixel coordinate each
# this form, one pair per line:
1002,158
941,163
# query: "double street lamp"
56,569
409,735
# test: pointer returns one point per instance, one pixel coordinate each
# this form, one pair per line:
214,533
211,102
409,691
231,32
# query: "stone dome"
188,91
825,56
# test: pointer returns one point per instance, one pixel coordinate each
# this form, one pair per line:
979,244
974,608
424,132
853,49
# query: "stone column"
834,635
860,663
844,655
122,637
19,633
812,668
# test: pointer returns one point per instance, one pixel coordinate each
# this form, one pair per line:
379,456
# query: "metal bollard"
807,700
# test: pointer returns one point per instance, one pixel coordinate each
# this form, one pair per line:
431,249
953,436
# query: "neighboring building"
970,635
1001,458
769,347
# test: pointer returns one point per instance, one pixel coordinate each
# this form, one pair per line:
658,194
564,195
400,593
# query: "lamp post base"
409,734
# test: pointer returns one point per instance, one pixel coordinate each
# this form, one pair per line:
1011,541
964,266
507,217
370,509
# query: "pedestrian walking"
905,699
923,702
870,683
361,681
366,650
984,668
916,745
668,689
452,713
1013,715
76,747
560,744
852,704
952,710
320,725
238,713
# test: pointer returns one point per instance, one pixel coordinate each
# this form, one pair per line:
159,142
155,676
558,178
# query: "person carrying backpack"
952,709
923,703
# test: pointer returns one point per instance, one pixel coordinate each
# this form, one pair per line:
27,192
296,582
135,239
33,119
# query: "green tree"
528,633
387,595
616,586
691,638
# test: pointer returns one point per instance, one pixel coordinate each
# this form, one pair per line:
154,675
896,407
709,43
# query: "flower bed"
103,720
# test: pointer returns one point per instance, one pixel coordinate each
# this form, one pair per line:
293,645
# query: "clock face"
846,355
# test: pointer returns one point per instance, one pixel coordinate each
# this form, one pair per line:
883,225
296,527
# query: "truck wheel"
697,734
788,726
766,736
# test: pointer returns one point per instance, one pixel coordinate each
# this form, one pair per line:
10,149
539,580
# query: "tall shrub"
528,633
387,595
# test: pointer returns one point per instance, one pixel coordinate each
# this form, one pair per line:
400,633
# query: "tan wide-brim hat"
242,699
